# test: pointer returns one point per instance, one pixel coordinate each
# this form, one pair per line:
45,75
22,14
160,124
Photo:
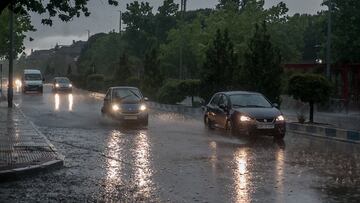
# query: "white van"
32,80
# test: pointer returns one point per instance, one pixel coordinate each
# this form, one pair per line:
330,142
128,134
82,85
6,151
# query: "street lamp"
328,43
11,56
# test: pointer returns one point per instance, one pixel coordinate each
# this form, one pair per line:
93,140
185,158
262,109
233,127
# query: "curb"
18,173
325,132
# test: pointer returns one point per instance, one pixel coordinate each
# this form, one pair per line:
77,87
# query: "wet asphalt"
176,159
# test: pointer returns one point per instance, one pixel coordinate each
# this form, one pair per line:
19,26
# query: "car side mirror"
275,105
223,107
146,99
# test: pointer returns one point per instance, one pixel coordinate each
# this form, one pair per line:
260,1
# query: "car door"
222,112
212,107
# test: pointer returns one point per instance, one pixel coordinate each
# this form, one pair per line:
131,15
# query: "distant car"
62,84
245,113
32,80
126,104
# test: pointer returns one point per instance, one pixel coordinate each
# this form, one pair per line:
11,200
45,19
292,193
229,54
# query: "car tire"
280,136
145,122
208,123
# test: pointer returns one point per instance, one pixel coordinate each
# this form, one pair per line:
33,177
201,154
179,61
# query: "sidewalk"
23,149
348,121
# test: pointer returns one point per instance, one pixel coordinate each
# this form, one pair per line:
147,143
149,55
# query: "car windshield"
123,94
63,80
32,77
249,100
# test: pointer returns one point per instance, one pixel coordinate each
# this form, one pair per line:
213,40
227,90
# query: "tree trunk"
311,117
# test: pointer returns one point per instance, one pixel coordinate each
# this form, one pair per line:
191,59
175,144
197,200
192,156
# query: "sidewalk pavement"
23,149
349,121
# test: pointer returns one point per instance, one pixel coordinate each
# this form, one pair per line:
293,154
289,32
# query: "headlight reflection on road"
71,102
114,164
279,174
143,173
57,102
241,176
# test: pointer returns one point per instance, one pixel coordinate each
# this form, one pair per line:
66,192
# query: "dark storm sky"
105,18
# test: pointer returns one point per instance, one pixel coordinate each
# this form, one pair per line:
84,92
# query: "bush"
95,82
174,91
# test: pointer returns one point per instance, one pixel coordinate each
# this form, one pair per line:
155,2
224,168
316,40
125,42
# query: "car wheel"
208,123
145,122
280,136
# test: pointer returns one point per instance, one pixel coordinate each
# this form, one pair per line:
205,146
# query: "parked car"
245,113
32,80
126,104
62,84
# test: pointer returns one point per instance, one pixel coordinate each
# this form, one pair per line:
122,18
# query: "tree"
69,70
346,27
220,63
123,71
310,88
165,19
22,25
262,70
153,78
64,9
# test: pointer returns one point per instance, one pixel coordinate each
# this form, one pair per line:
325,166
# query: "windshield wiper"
135,94
238,105
256,106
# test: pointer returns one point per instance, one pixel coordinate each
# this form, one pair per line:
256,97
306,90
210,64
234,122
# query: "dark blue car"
245,113
126,104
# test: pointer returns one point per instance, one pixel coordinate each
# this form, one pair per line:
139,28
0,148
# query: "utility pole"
88,31
182,10
120,22
11,56
328,44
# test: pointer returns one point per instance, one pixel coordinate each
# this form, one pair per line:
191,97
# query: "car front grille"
265,120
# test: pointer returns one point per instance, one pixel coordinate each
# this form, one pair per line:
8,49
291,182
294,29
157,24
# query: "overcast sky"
105,18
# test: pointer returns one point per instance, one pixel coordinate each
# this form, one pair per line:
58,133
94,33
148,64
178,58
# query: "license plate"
265,126
130,117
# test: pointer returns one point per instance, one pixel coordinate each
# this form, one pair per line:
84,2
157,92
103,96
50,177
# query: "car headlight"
245,118
70,85
57,85
115,107
280,118
142,107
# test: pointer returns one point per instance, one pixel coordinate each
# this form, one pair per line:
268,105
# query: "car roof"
238,92
29,71
123,87
57,78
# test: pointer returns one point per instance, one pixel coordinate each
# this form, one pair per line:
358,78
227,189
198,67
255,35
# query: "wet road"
177,159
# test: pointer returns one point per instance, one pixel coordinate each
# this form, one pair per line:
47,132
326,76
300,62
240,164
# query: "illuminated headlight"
142,107
280,118
245,118
70,85
57,85
115,107
18,83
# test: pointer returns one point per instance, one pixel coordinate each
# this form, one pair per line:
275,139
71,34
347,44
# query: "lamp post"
11,56
328,43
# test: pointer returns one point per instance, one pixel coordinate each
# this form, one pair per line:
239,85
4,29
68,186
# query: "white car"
32,80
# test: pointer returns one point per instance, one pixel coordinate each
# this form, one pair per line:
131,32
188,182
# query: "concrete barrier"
327,132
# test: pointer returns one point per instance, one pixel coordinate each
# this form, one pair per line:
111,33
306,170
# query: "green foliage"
174,91
63,9
123,70
310,88
262,70
219,67
153,77
22,24
95,82
346,30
